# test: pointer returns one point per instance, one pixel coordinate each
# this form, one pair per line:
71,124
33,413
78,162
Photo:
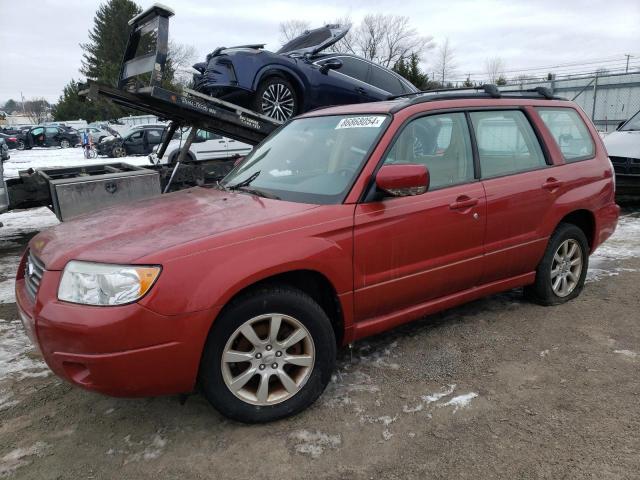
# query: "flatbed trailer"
140,87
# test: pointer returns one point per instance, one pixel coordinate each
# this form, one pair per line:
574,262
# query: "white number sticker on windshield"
361,122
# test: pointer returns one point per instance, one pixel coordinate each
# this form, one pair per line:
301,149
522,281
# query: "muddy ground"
499,388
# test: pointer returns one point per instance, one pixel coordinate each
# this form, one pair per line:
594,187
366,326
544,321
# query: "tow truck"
73,191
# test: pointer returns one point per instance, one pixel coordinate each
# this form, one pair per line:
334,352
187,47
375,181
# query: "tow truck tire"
290,351
275,97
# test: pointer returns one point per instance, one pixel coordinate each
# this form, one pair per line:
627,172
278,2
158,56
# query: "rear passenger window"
507,143
385,81
441,143
354,68
570,132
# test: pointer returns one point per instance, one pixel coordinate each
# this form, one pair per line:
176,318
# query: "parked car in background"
205,146
138,141
623,147
96,134
334,228
11,140
4,152
42,136
298,77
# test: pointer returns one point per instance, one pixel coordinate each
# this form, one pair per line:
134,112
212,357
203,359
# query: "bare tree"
37,109
445,65
182,56
383,39
292,29
494,68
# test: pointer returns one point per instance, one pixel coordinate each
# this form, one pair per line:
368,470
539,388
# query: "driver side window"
439,142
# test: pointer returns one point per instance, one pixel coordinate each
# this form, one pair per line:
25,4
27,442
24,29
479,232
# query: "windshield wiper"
258,192
244,183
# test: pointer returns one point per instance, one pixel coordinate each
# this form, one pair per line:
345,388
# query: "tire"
64,143
275,97
118,152
173,158
21,145
256,311
551,270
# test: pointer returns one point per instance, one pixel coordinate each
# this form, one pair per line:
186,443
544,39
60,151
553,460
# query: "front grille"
33,274
626,165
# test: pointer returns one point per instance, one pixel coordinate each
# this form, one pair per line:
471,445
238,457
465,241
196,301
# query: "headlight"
104,284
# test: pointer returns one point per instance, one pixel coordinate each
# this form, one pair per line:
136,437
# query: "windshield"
310,160
632,124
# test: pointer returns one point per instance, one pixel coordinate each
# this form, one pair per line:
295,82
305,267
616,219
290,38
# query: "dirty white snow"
59,157
434,397
314,443
17,357
623,244
627,353
19,457
460,401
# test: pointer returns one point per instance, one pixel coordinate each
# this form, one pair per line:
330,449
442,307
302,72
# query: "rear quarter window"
569,131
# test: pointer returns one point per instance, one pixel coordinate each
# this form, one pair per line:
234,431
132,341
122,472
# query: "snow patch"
434,397
622,245
460,401
17,359
18,457
627,353
314,443
18,223
544,353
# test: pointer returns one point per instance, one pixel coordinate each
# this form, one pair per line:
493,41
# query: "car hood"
125,234
623,144
316,40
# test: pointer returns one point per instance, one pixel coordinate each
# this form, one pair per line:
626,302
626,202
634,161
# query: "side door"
209,146
519,182
36,137
347,84
52,136
134,143
413,249
234,147
153,137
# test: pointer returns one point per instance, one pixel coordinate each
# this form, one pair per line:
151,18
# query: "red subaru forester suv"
344,223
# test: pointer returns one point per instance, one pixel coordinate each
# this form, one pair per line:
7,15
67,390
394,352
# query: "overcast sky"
41,53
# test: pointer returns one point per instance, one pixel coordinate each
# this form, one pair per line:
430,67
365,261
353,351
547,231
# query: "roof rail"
487,89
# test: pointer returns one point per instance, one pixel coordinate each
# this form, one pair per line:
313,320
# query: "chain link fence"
608,98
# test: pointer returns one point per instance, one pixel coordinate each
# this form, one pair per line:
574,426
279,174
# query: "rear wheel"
561,274
64,143
268,356
20,145
276,98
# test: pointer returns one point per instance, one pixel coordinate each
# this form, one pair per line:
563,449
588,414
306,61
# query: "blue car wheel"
276,98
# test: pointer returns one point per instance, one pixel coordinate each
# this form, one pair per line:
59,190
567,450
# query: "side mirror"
333,64
403,180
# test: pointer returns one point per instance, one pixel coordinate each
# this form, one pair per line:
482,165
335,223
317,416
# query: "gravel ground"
499,388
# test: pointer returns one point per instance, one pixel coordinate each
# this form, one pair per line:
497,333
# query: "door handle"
552,184
220,141
463,202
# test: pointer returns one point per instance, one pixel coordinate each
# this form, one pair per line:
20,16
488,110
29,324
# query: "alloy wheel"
268,359
278,102
119,152
566,267
20,145
64,143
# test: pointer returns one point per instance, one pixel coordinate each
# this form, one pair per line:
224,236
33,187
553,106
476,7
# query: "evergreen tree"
409,68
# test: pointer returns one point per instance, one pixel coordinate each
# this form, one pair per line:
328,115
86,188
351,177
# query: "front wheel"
21,145
118,152
268,356
276,98
64,143
561,274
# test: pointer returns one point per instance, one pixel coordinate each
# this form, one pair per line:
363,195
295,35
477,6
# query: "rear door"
520,186
413,249
153,138
207,146
52,136
384,83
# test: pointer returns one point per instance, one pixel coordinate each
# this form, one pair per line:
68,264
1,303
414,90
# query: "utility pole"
626,70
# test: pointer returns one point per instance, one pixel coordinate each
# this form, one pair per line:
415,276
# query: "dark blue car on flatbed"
297,78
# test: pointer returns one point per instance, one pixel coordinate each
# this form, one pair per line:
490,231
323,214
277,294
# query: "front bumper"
124,351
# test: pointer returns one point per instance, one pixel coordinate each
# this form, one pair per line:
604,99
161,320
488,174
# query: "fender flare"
277,68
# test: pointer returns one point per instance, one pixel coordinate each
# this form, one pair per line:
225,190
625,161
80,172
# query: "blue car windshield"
310,160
